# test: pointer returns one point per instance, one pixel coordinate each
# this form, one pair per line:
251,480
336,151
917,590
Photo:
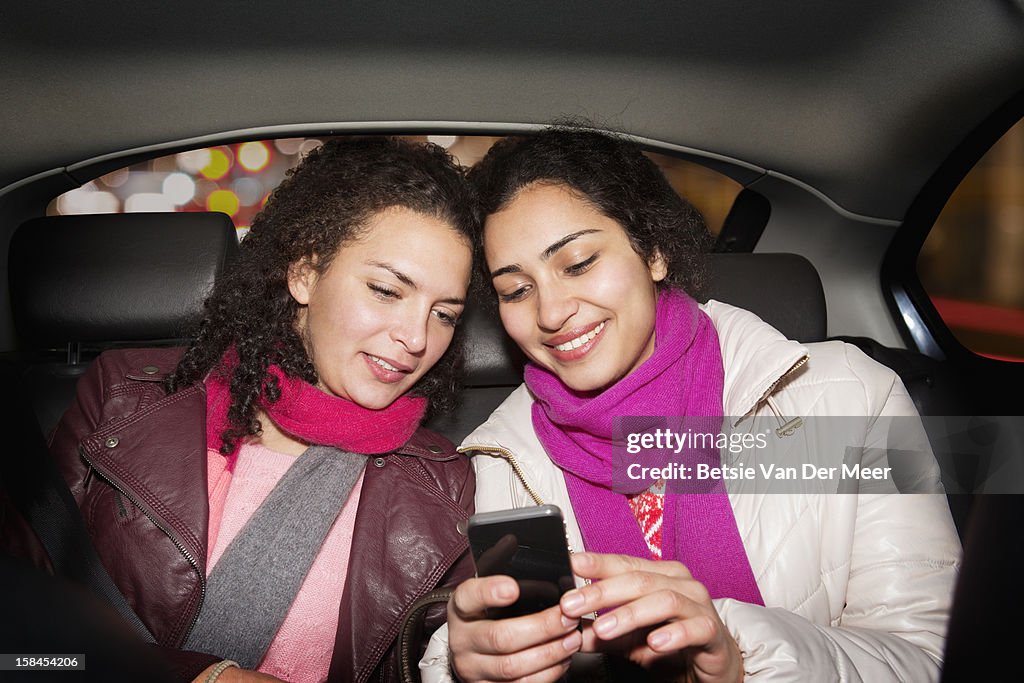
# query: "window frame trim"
916,318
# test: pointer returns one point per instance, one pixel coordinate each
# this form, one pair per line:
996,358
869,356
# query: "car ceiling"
860,102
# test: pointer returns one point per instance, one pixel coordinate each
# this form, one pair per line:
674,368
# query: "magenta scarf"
684,376
307,413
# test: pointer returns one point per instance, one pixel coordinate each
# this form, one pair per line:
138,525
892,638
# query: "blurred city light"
445,141
194,161
87,199
115,178
218,166
249,191
289,146
179,188
309,145
143,202
224,201
253,156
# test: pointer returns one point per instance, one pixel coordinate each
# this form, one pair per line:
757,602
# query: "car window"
972,263
236,179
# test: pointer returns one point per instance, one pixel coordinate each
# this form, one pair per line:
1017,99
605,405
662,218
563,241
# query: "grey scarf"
255,581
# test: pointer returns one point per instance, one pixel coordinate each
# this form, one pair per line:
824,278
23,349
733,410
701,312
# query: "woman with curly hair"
594,260
275,507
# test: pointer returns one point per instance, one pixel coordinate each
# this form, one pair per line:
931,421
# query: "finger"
474,596
624,588
619,646
634,647
605,565
647,611
549,675
505,636
696,631
543,662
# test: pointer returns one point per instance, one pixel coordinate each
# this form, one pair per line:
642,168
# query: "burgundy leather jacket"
135,460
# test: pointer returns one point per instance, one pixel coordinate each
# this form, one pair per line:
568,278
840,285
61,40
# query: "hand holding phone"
529,545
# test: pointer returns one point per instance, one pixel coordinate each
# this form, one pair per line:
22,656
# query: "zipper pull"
790,427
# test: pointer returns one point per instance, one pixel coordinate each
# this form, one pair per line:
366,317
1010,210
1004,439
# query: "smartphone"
528,544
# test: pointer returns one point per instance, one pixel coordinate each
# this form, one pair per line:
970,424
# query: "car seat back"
80,284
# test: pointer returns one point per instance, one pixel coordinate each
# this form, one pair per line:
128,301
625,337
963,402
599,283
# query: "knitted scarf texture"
683,377
315,417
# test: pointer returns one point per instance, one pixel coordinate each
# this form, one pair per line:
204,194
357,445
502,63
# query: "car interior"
847,126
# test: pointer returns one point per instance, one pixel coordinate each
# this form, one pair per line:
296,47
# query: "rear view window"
972,264
237,179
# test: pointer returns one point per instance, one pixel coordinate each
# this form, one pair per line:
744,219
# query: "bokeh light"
224,201
253,156
87,199
179,188
115,178
308,145
445,141
249,191
218,166
194,161
143,202
289,146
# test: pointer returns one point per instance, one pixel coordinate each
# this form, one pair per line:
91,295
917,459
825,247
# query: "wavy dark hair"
615,177
323,203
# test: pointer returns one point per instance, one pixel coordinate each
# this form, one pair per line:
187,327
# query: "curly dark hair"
613,175
323,203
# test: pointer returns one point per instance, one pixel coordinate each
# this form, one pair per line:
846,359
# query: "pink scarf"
307,413
684,376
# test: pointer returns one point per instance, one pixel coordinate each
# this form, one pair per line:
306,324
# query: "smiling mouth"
385,370
383,363
578,347
580,340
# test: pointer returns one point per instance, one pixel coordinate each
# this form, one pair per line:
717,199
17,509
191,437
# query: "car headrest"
115,277
784,290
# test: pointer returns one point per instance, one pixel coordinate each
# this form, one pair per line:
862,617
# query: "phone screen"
529,545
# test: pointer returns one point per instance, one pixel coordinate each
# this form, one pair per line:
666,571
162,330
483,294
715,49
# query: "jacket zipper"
796,423
796,366
180,546
507,455
119,499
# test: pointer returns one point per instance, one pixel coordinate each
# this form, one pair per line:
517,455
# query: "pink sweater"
301,651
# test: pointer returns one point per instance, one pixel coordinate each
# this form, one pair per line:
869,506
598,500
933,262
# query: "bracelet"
219,669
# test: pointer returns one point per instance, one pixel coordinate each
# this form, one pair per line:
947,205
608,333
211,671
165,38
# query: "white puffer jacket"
857,587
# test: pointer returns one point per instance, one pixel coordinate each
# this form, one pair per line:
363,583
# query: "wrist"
214,672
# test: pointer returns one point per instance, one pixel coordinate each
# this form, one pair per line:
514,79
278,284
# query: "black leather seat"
82,284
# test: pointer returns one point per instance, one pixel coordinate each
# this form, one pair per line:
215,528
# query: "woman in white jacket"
591,254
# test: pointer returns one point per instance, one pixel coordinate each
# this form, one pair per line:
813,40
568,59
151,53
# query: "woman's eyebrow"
550,251
514,268
402,277
544,255
405,279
